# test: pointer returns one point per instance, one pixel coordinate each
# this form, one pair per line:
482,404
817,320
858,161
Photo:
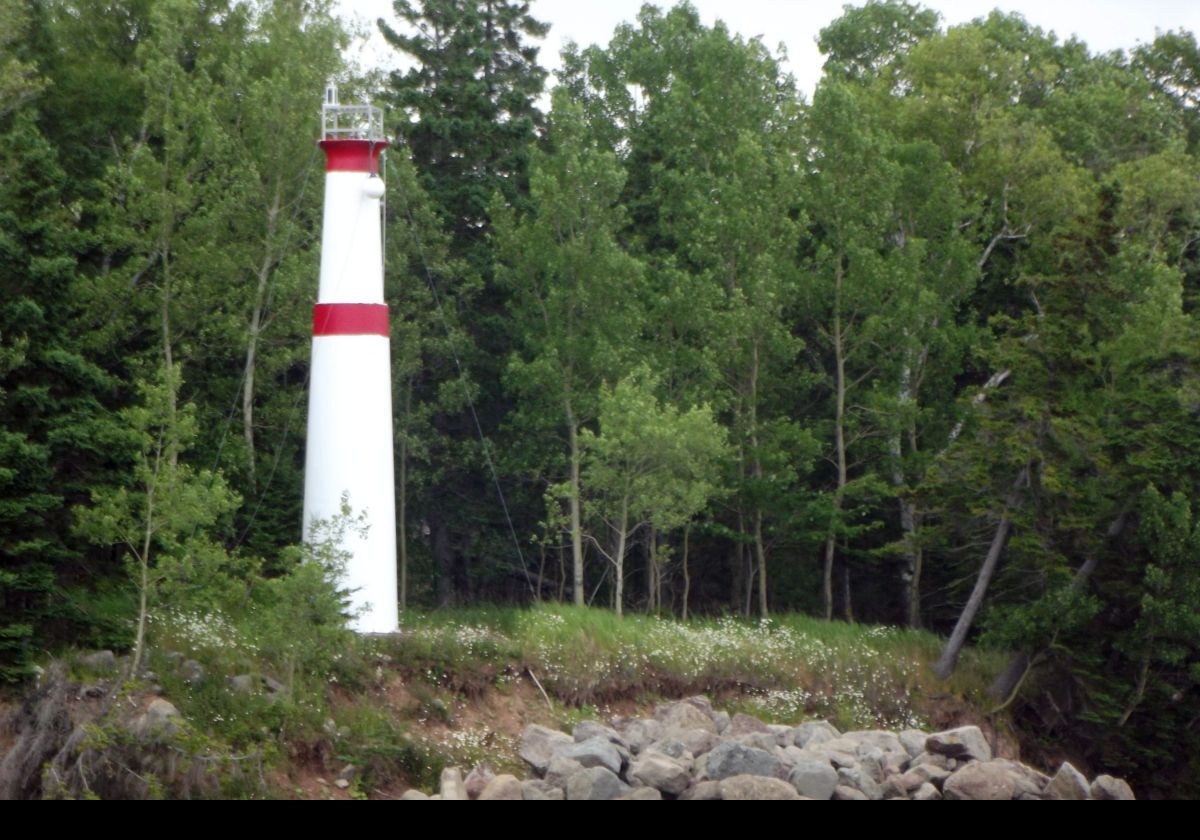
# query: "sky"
1103,25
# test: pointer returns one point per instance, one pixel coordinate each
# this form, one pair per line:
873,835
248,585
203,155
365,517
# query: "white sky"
1103,24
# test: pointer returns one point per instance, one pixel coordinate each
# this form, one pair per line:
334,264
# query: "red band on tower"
352,155
350,319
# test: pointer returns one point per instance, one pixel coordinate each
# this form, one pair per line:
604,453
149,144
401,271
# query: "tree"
649,465
575,296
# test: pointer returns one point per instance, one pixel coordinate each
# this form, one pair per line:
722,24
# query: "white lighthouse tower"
350,395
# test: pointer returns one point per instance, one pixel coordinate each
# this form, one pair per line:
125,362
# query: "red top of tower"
352,135
352,155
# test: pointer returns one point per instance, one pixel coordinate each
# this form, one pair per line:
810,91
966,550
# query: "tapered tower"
350,391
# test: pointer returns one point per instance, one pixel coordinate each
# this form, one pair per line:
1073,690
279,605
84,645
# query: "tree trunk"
687,580
443,561
945,665
576,517
839,439
620,555
760,552
402,501
256,321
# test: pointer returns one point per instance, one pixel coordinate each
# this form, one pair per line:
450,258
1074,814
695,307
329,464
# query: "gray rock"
927,793
560,770
348,772
641,793
819,730
536,789
273,686
502,788
639,733
539,744
876,739
1110,788
684,715
703,791
743,724
588,729
981,780
696,741
243,683
192,671
452,788
965,742
758,740
1025,778
932,760
730,758
414,795
844,792
673,748
596,783
660,772
920,775
595,752
840,752
161,719
856,777
478,779
101,660
1068,783
814,778
722,720
872,761
783,734
892,789
94,691
341,784
913,741
756,787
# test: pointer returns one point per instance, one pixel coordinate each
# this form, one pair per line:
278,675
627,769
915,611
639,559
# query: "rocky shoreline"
687,750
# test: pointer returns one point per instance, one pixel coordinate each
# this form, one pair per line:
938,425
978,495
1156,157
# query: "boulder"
414,795
478,779
814,732
703,791
641,793
756,787
452,787
596,783
101,660
539,744
965,742
986,780
1110,788
730,758
927,793
160,719
660,772
502,788
596,752
814,778
1068,783
587,729
684,715
742,724
537,789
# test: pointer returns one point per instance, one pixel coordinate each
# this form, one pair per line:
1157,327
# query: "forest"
667,336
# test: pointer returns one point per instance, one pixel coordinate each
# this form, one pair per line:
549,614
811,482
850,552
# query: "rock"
892,789
243,683
744,725
871,761
756,787
782,734
329,727
273,686
94,691
920,775
536,789
414,795
101,660
452,788
341,784
348,772
703,791
160,719
1026,779
1068,783
844,793
639,733
932,760
642,793
561,769
860,779
588,729
815,732
595,752
730,758
722,720
814,778
660,772
965,742
684,715
478,779
1110,788
696,741
192,671
674,748
981,780
502,788
840,752
913,741
927,793
875,739
539,744
596,783
758,740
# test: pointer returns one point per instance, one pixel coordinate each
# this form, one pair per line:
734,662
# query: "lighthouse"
349,452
